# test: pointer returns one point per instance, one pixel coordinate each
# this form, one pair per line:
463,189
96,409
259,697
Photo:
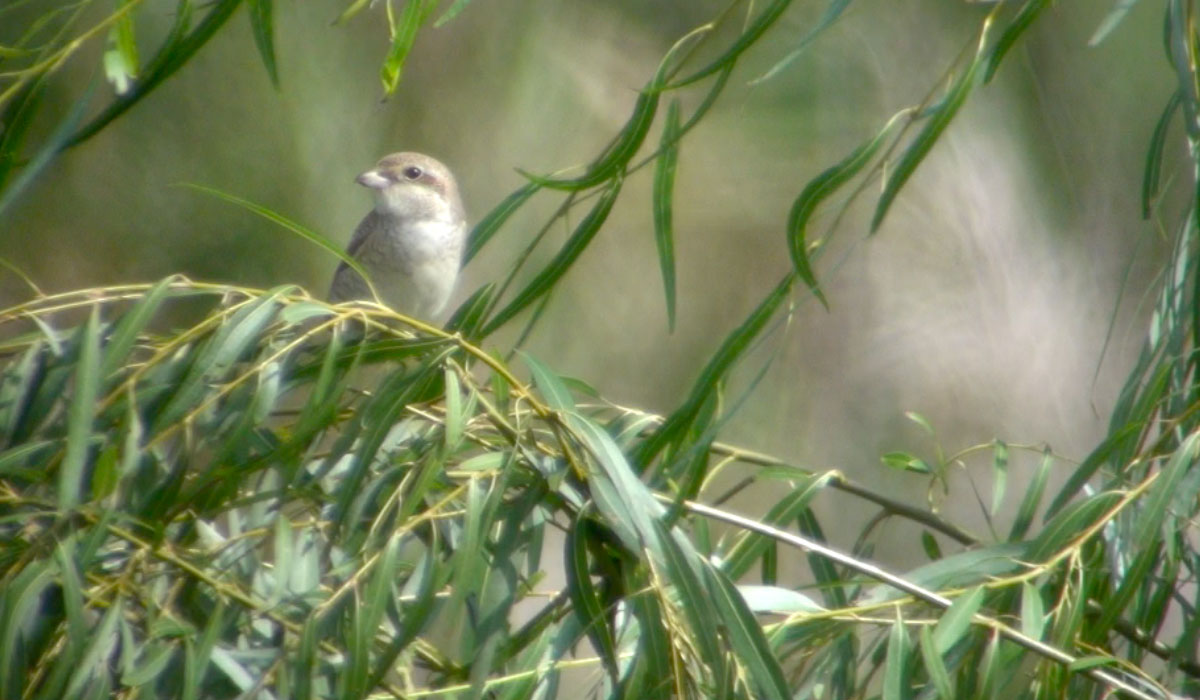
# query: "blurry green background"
984,303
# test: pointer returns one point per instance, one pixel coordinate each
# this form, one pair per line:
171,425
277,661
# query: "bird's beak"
372,180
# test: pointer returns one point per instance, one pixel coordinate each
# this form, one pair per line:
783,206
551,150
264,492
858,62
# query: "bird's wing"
348,284
366,227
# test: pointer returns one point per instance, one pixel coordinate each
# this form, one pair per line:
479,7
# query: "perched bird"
411,243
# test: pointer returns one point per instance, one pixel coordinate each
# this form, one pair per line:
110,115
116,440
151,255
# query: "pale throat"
414,206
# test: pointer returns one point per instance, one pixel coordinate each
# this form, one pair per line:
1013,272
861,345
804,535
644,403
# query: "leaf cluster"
289,499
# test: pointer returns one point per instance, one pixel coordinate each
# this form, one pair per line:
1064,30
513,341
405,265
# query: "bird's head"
413,186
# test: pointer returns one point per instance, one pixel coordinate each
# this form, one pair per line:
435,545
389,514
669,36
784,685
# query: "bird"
411,243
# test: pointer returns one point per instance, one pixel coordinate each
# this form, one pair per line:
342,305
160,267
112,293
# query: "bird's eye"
412,172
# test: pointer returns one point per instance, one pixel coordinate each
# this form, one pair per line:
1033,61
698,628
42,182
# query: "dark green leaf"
587,604
131,325
177,50
934,666
556,268
491,223
71,474
731,350
1008,38
1032,499
664,188
305,233
817,190
262,23
940,118
1154,155
749,36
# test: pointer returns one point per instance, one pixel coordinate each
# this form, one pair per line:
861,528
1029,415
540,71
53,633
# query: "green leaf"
102,643
305,233
1099,456
455,417
664,188
731,350
451,13
749,36
557,396
1032,499
750,546
969,568
1033,612
59,140
82,411
1008,38
832,12
817,190
991,675
586,602
496,218
404,34
934,666
566,256
215,359
930,544
682,571
176,51
1152,177
121,61
999,474
1147,539
956,621
18,115
940,118
746,638
263,25
903,461
778,600
368,616
131,325
896,684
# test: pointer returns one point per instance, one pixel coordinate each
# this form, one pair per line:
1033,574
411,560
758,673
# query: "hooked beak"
372,180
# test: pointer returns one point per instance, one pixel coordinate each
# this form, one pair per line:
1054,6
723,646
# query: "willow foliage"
287,499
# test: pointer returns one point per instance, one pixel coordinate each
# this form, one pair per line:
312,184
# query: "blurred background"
1005,296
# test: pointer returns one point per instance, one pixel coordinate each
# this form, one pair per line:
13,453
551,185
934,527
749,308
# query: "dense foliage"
287,499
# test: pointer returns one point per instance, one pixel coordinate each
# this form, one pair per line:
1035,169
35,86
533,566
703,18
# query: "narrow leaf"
934,666
495,219
999,474
664,187
1154,155
403,37
1008,38
731,350
305,233
895,678
566,256
942,115
263,25
81,414
1033,611
817,190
